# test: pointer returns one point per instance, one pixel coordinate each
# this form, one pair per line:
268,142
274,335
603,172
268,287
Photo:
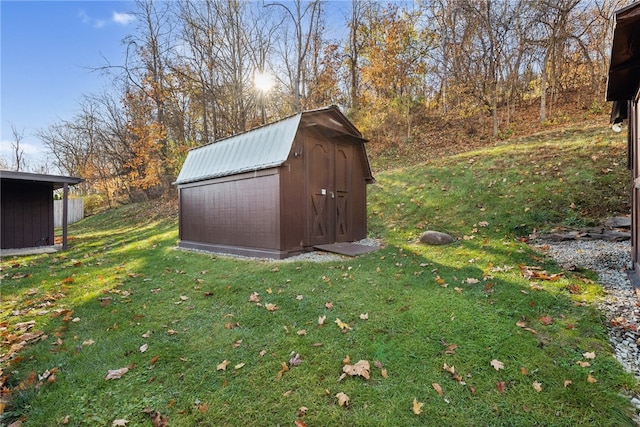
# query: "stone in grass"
436,238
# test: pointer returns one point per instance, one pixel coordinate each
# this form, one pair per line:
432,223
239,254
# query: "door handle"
333,196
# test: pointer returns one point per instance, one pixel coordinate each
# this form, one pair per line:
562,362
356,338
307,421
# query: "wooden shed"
277,190
26,208
624,89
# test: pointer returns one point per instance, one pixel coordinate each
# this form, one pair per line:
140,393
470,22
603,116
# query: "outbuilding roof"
261,148
57,180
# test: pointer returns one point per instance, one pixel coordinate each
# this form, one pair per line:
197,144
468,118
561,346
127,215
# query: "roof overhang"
57,181
624,69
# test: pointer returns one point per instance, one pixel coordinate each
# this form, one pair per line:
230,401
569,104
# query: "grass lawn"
458,335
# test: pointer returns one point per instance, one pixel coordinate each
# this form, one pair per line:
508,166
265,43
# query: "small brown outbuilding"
277,190
26,208
624,89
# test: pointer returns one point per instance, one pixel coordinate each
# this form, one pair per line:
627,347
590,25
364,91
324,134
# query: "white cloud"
29,149
123,18
84,17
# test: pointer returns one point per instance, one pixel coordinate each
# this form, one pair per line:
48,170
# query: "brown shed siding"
241,212
26,214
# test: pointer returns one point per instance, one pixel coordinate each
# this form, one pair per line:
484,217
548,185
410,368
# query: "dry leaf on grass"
222,366
537,386
416,407
116,374
342,325
343,399
497,365
437,388
362,368
270,307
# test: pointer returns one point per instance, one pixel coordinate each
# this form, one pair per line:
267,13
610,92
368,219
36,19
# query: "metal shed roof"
261,148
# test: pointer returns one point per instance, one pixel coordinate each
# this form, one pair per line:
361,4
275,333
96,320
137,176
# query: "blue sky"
47,50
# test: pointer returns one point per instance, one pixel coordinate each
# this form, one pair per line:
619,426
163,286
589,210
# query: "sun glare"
263,81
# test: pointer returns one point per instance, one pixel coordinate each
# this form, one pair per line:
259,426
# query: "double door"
329,183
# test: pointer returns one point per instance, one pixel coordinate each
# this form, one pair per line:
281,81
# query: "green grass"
123,278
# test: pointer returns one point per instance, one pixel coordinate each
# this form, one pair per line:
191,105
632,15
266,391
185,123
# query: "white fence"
74,214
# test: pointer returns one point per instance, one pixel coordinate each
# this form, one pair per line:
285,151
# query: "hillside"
126,329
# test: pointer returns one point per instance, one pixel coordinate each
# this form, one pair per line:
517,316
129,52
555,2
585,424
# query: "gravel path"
610,260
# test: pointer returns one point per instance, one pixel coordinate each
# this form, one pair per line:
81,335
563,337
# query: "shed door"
329,184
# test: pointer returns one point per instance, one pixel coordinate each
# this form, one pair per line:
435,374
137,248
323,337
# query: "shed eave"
624,70
231,173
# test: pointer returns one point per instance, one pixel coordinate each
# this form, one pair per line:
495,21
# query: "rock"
618,222
436,238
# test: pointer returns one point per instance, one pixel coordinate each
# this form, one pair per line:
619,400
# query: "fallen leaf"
154,360
300,423
524,370
501,386
146,334
321,320
450,369
346,360
497,365
237,344
204,407
417,406
144,347
254,297
342,325
120,422
295,360
361,368
451,349
270,307
583,364
546,320
567,382
329,305
384,374
183,298
589,355
591,379
284,369
437,388
364,316
115,374
222,366
88,342
239,365
343,399
302,332
537,386
302,411
157,420
299,297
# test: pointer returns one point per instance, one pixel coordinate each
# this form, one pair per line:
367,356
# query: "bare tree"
304,19
19,161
